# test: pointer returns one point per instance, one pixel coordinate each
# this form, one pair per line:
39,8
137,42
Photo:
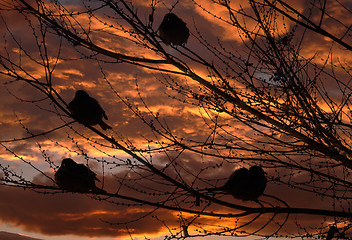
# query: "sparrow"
76,177
173,30
87,110
244,184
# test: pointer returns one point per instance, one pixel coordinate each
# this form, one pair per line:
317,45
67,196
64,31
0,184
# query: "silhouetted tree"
264,94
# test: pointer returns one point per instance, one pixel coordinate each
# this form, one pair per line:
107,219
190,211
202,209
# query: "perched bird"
87,110
76,177
244,184
173,30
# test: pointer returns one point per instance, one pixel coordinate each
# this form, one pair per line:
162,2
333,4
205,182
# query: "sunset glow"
258,83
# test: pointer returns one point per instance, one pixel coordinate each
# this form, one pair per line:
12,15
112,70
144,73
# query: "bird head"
68,162
170,17
256,169
81,93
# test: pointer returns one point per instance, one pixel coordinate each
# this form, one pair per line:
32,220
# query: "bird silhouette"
173,30
76,177
87,110
244,184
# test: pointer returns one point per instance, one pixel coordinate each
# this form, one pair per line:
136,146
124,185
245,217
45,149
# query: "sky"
82,216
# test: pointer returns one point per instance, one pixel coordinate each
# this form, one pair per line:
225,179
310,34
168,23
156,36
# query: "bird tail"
215,189
104,126
97,190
